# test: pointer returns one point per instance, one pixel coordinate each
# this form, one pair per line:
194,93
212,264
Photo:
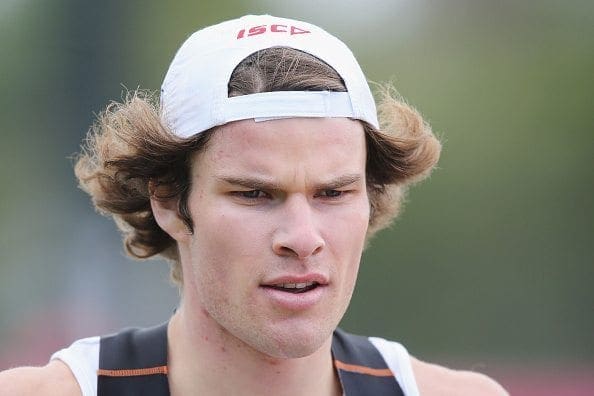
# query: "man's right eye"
251,194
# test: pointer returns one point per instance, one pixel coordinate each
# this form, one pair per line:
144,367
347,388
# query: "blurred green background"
491,264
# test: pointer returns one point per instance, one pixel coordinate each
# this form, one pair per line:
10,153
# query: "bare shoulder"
53,379
435,380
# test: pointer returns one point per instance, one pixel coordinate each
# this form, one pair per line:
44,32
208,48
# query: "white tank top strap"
398,360
82,357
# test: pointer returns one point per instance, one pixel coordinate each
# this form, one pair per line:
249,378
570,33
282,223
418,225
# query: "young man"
260,177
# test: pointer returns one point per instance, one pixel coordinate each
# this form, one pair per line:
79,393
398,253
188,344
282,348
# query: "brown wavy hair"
130,156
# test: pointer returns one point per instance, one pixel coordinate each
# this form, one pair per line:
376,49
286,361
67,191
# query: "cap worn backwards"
194,94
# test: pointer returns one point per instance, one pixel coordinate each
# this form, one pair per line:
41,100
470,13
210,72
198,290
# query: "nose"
297,234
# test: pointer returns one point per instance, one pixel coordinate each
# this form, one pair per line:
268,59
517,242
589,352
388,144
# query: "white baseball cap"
194,94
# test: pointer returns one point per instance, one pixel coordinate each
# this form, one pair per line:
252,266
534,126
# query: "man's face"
280,212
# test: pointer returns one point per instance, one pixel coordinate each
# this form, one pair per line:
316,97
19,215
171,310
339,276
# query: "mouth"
296,293
294,288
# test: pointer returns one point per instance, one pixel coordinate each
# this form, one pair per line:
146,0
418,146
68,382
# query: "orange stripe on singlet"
363,369
133,372
163,370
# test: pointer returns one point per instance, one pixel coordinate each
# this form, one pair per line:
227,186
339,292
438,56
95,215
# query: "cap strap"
283,104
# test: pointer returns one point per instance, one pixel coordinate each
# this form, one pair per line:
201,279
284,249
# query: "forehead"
306,145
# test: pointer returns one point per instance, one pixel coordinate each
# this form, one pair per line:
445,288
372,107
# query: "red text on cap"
261,29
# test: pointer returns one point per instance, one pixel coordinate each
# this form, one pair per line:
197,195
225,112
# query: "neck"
205,359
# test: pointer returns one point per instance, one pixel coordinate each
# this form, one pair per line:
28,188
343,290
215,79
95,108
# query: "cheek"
345,238
236,231
227,244
347,230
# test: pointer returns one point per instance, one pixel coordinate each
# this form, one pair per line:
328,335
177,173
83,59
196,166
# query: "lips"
295,287
294,294
296,284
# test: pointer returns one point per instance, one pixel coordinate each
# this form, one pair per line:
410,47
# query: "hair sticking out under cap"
131,156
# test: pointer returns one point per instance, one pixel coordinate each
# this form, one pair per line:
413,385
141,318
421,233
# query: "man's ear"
167,216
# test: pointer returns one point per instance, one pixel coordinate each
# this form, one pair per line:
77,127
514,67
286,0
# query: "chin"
293,343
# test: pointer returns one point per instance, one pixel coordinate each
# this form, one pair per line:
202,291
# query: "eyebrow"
267,185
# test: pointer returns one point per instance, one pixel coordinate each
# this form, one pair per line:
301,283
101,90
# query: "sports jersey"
134,362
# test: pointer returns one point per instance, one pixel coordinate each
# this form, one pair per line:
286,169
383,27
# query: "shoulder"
53,379
435,380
